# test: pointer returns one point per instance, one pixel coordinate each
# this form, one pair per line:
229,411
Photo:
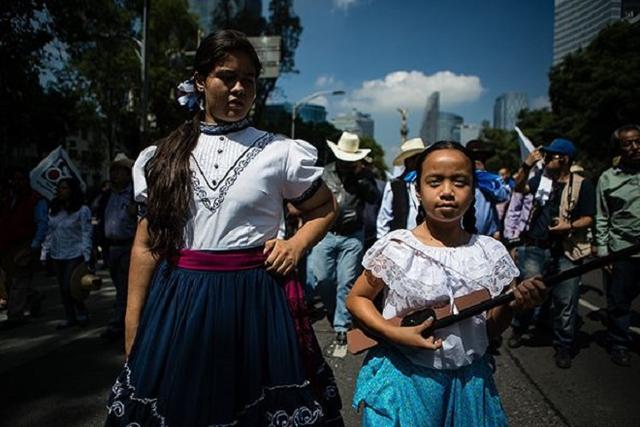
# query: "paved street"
52,378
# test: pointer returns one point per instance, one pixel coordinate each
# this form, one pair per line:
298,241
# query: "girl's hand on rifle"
412,336
528,294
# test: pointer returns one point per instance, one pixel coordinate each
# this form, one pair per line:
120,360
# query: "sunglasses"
550,157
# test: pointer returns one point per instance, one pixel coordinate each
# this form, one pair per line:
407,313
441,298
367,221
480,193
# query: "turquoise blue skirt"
395,392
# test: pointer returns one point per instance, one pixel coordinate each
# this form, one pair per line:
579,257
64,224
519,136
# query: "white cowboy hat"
409,148
348,148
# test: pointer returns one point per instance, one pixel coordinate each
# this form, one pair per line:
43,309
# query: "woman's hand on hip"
284,255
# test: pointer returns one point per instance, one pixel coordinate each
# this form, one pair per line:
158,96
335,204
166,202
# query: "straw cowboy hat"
122,160
409,148
348,148
83,282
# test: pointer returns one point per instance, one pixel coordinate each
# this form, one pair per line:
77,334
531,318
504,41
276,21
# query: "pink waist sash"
243,259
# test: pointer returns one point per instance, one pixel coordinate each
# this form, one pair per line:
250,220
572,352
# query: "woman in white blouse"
67,244
213,334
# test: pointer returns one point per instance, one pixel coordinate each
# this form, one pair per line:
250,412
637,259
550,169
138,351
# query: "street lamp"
304,101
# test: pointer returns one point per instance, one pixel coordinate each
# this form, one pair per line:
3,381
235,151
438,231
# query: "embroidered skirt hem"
218,348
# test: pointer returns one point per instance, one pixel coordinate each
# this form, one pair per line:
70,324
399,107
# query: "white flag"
526,146
57,165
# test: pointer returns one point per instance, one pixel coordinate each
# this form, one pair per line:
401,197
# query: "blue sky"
392,53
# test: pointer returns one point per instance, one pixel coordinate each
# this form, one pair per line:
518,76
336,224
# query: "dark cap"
561,146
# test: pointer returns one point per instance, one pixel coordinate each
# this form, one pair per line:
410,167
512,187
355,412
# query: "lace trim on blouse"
418,275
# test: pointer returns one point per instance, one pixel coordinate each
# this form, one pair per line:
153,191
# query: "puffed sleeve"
139,177
504,270
302,176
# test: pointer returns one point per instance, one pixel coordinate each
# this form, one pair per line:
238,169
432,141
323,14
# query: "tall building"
448,127
506,109
310,113
356,122
204,9
429,128
468,132
577,22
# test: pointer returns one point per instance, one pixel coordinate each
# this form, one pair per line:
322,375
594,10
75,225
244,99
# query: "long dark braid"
170,193
469,218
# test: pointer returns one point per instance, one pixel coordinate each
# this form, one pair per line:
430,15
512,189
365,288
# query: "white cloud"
410,89
325,80
344,4
540,102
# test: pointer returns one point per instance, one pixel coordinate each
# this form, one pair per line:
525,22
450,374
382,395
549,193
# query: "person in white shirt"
213,330
68,243
400,206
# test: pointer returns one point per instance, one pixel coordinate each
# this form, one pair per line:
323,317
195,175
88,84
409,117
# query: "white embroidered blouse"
240,181
418,276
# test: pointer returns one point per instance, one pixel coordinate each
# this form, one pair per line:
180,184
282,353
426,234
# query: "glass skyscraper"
577,22
429,128
506,109
448,127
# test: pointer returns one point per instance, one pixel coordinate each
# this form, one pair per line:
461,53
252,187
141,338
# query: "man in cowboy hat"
400,205
335,261
116,228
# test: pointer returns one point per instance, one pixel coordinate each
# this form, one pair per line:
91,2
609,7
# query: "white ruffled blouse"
240,182
419,276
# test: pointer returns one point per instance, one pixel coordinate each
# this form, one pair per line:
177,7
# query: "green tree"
505,146
25,34
595,90
538,125
103,66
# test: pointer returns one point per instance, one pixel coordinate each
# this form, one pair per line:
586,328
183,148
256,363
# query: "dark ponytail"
469,218
169,186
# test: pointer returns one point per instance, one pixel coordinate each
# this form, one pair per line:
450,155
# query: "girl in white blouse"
212,338
68,244
445,379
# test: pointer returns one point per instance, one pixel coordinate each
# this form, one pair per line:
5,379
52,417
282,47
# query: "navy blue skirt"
216,348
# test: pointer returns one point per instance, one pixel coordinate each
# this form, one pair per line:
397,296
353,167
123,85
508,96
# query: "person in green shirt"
617,227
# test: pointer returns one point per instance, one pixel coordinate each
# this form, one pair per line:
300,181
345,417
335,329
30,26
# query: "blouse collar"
222,129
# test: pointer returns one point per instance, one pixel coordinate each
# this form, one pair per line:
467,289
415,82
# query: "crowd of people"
65,237
209,302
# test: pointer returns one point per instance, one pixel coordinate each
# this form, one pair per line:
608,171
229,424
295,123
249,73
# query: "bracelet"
525,166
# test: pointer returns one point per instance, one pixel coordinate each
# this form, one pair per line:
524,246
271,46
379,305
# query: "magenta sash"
243,259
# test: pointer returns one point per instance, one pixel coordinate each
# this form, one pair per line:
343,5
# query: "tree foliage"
596,90
25,34
505,146
101,42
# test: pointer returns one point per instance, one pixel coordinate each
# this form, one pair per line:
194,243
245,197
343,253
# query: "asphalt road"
51,378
